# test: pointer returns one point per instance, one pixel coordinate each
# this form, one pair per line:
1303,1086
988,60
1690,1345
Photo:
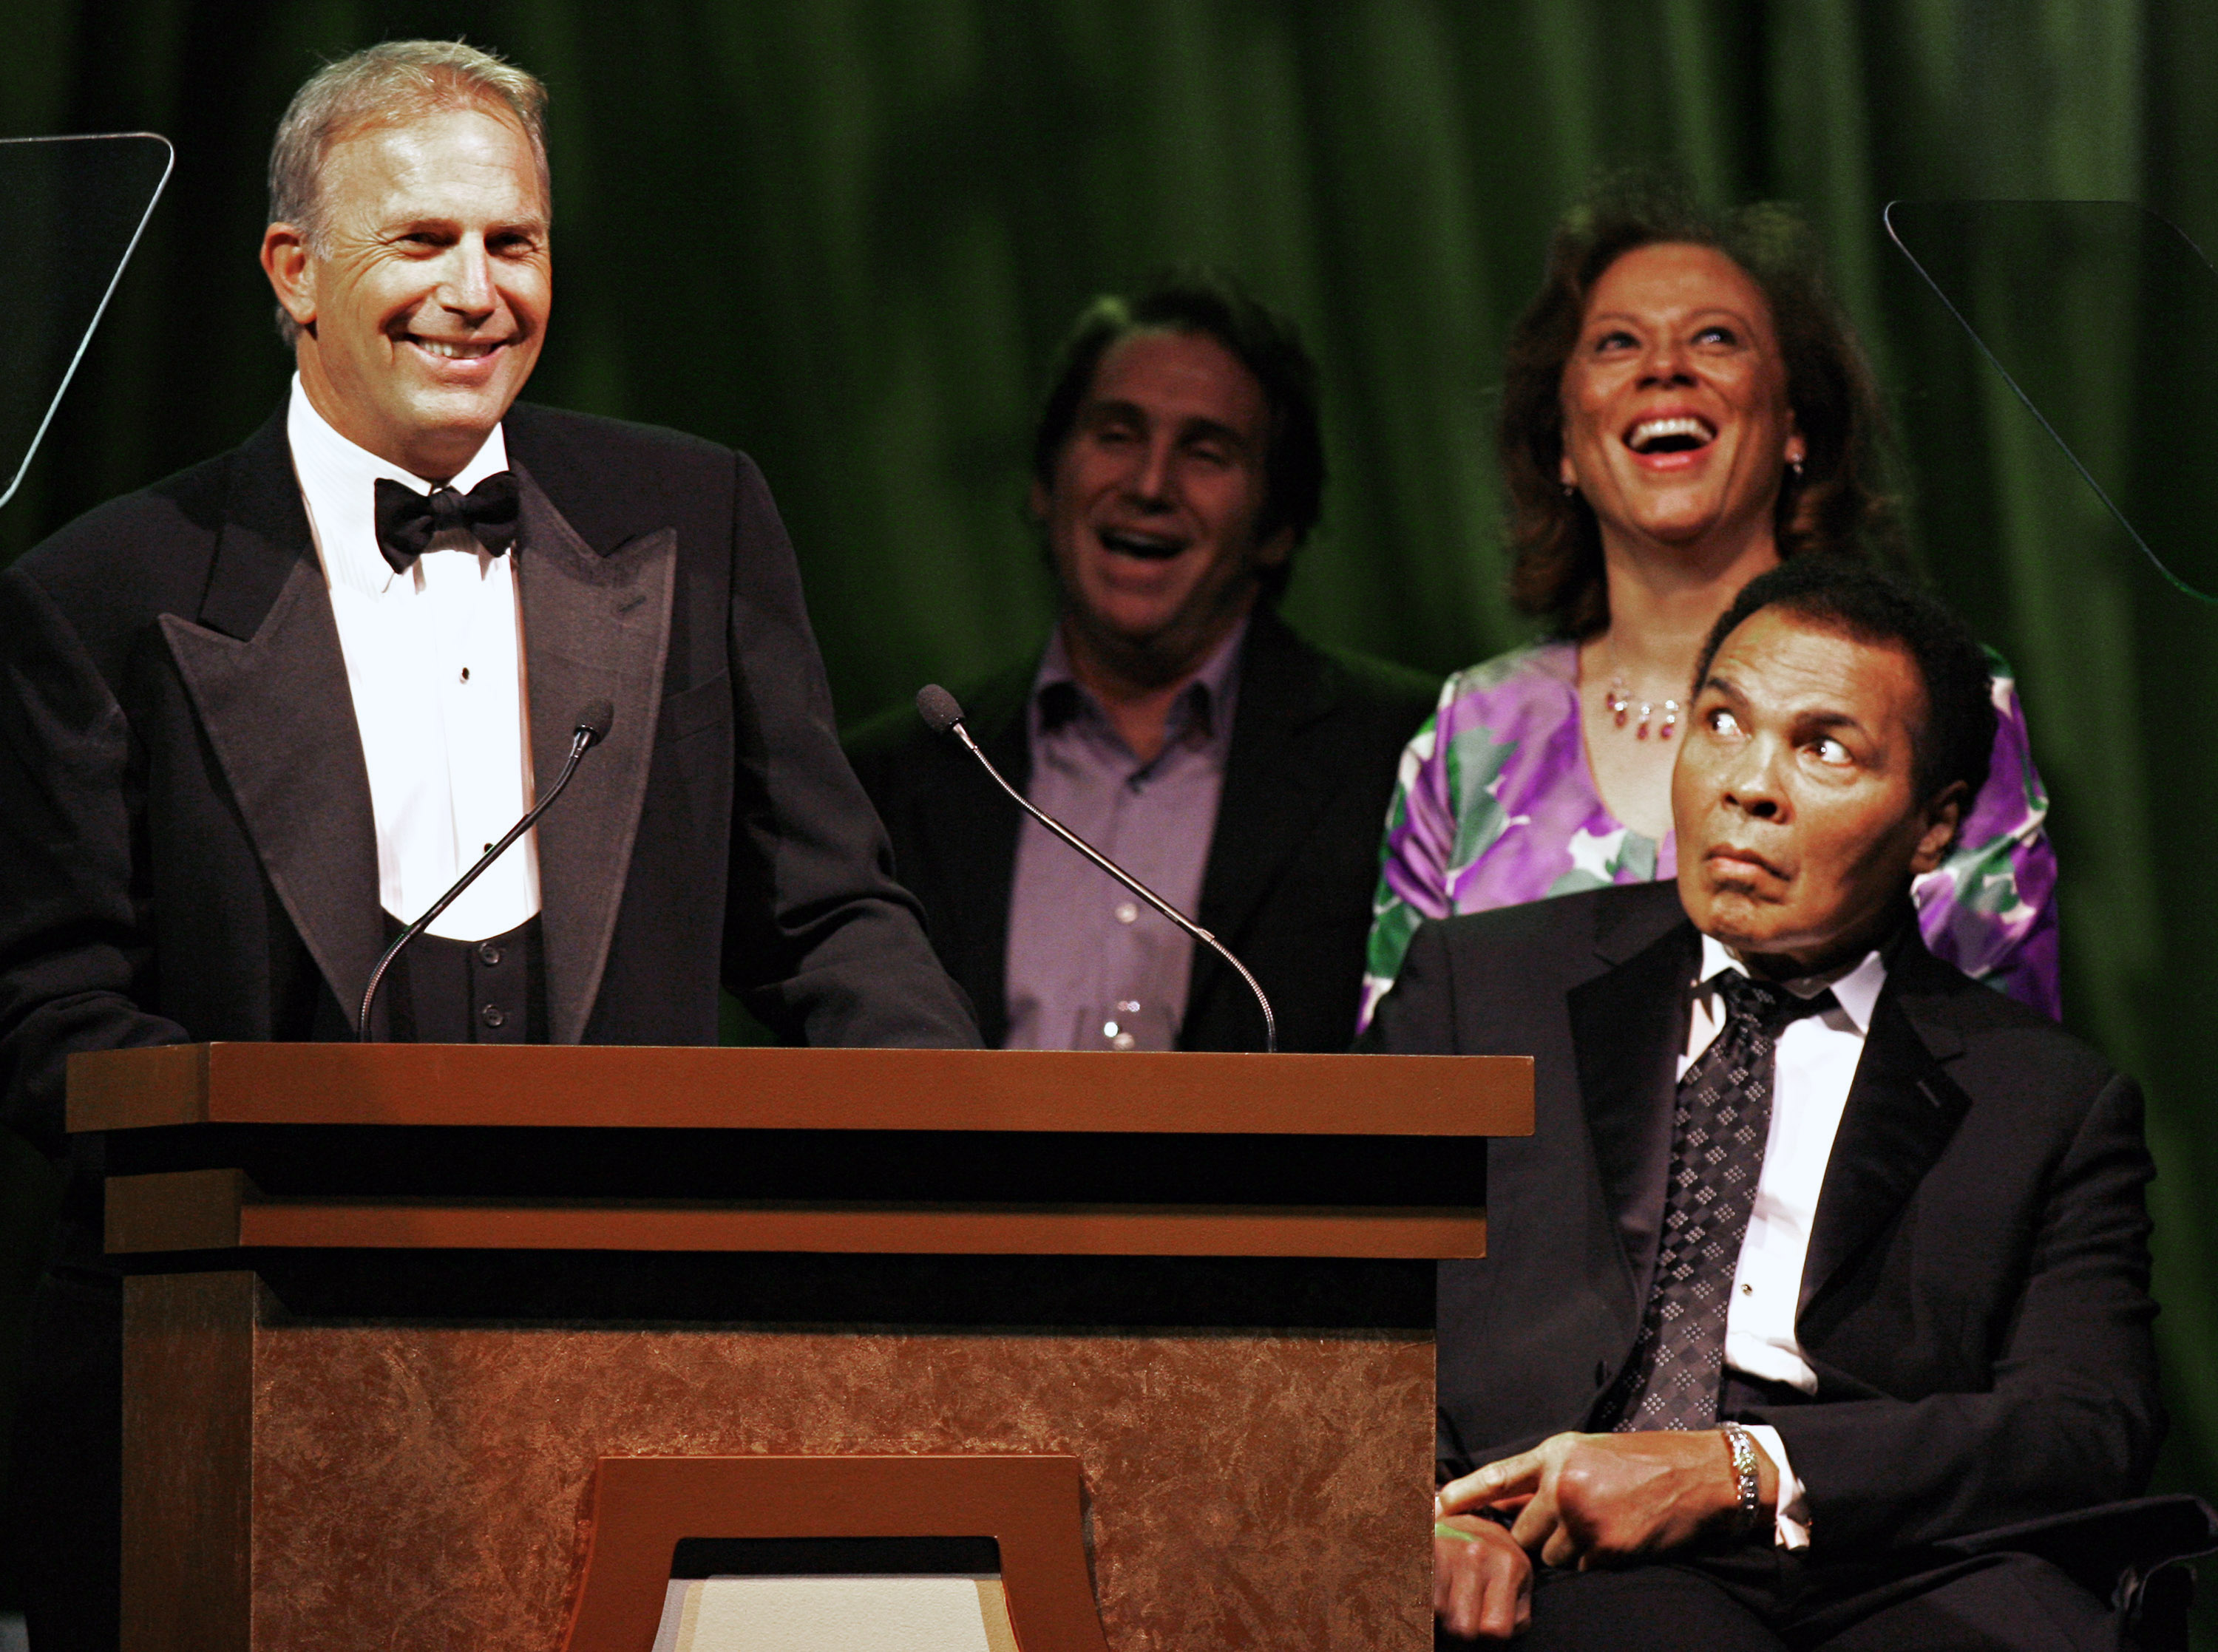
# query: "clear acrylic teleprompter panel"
2103,318
70,211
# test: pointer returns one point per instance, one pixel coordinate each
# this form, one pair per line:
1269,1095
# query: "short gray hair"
381,85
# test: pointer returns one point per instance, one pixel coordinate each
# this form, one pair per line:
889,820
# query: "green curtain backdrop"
844,236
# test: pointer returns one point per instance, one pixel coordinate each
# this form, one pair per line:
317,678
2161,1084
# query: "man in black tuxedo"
256,717
1823,1260
1173,718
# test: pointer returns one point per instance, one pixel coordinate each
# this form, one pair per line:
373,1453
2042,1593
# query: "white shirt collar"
1855,989
338,481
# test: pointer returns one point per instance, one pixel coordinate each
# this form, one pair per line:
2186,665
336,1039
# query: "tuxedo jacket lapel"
1273,784
979,840
998,723
1902,1108
596,626
1627,1027
262,662
1276,781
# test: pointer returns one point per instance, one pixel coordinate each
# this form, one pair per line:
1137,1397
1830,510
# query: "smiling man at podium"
258,717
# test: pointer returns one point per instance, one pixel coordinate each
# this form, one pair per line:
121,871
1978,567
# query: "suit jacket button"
490,1015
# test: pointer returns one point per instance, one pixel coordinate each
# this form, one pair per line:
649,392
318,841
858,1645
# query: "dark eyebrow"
1106,407
1707,313
1805,723
1724,685
1189,429
1211,429
1819,722
533,226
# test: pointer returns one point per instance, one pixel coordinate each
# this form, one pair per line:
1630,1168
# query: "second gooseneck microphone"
591,728
944,716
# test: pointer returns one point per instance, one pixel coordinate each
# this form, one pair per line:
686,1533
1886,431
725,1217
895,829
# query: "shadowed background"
846,236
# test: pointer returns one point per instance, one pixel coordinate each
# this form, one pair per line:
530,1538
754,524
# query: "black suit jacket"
1315,739
1975,1299
187,849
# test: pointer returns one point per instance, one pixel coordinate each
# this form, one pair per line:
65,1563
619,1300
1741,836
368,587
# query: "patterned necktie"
1717,1132
407,521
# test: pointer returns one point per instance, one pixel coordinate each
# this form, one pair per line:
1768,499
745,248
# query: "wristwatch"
1742,1446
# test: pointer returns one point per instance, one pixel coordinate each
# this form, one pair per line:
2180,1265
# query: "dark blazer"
1315,739
187,849
1976,1301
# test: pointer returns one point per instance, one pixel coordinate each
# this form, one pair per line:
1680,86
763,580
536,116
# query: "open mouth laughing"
1129,542
1669,434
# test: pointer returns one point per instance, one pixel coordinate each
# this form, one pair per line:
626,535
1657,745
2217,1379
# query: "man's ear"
1942,816
292,274
1273,552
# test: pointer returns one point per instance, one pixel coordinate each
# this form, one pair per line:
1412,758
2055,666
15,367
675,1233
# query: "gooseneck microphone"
942,715
591,728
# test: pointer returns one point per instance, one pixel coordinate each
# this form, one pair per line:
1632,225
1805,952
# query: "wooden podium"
444,1345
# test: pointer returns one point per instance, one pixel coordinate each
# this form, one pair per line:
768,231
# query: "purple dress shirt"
1090,965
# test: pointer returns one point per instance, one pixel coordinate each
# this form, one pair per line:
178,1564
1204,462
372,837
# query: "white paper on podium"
907,1613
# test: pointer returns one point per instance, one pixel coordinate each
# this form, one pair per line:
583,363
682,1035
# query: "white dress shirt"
435,665
1815,1064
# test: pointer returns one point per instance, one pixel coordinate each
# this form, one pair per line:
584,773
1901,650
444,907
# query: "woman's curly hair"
1837,504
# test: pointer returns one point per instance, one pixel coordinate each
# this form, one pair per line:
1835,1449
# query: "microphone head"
937,708
593,722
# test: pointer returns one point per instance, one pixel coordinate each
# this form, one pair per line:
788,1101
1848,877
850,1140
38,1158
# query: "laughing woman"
1683,405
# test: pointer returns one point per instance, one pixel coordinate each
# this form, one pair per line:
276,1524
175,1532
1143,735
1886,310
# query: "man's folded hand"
1596,1499
1482,1581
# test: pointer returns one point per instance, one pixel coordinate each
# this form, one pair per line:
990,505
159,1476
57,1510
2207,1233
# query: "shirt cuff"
1790,1525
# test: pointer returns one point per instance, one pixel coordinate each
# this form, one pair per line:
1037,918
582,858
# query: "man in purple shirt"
1172,717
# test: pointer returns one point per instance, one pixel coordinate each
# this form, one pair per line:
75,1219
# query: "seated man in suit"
1822,1258
257,717
1173,718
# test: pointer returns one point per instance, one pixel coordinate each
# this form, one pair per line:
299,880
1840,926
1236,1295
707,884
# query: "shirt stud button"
1748,1291
1127,912
491,1016
466,673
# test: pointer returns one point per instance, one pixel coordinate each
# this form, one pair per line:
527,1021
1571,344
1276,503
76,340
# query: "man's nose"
1151,479
1752,781
468,286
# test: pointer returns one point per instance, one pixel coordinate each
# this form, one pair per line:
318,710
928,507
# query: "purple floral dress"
1496,807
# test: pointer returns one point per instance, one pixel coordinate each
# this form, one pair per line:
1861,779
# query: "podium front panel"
381,1323
316,1480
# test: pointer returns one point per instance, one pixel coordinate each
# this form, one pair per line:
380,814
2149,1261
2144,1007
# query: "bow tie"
407,521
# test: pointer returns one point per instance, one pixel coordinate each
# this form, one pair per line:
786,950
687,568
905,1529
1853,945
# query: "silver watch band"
1742,1446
